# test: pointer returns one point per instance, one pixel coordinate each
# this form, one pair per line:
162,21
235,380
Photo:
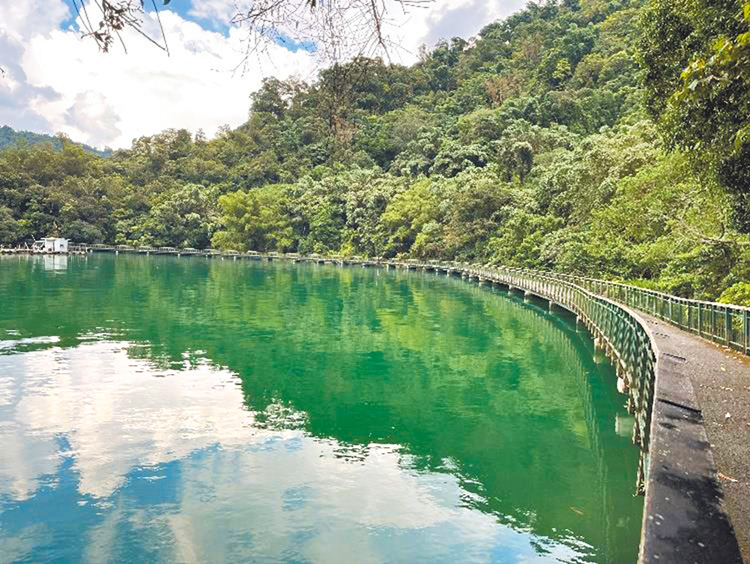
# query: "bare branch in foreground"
334,30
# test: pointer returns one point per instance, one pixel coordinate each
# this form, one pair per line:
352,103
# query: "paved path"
721,382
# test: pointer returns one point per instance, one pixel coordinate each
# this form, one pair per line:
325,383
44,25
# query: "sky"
56,81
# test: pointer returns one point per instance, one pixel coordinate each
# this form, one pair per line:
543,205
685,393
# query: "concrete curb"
683,518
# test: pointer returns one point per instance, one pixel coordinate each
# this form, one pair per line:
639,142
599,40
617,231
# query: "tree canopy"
696,54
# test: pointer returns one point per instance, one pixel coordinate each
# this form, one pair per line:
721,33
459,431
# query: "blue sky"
184,9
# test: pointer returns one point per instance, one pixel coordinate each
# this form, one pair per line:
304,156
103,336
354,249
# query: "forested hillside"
9,137
566,137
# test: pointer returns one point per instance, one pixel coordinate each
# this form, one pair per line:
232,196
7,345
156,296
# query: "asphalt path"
721,383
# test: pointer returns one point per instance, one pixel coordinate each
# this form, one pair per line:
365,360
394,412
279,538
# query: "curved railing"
726,324
617,331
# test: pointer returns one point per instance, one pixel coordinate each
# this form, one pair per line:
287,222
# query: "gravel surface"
721,381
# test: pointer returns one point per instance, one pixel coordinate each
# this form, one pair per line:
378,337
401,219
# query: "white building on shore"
52,245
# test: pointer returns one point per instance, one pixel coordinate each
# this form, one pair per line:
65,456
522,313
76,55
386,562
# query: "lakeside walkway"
720,380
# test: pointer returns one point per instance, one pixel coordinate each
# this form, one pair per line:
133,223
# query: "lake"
164,409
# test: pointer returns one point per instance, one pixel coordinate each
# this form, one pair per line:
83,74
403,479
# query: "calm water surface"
186,410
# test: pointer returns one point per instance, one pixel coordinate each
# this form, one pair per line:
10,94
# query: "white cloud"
465,18
444,19
22,20
218,11
110,99
16,95
235,479
57,81
92,115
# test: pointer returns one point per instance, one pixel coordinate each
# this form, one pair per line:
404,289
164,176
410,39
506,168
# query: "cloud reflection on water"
174,461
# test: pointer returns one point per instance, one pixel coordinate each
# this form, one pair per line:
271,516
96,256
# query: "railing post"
746,330
713,323
700,320
728,326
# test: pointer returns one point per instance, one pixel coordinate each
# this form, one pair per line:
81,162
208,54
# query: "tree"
186,218
406,215
528,145
254,220
8,227
700,93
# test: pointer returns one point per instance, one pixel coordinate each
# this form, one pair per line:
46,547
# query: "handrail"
726,324
617,330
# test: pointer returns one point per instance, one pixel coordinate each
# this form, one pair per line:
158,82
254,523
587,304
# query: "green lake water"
161,409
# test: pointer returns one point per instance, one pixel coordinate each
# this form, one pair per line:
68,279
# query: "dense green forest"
604,137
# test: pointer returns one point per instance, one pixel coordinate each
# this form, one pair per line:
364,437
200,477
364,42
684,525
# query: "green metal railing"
605,308
725,324
617,332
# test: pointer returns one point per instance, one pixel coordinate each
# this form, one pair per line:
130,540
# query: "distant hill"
10,137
